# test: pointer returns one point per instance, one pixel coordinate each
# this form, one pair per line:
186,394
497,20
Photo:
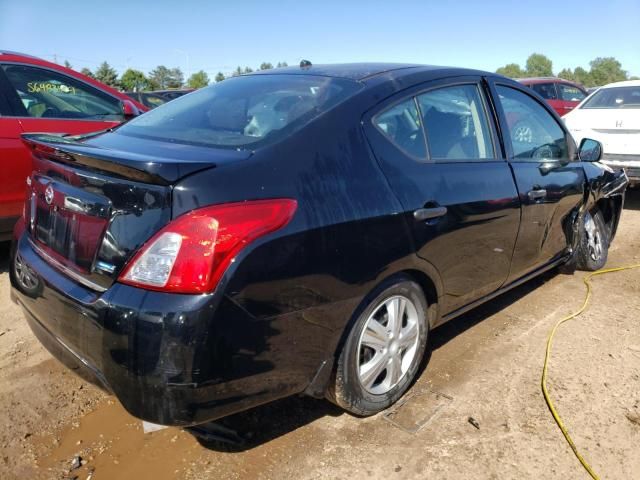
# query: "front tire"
384,350
593,247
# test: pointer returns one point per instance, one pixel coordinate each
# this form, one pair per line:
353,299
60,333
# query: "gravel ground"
485,365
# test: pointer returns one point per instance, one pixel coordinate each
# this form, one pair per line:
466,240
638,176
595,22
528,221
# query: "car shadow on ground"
247,430
4,256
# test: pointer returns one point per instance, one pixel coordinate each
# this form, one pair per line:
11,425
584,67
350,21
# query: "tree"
237,72
219,77
539,65
606,70
67,64
266,66
247,70
167,77
282,64
107,75
567,74
134,81
511,70
580,75
177,78
87,72
198,80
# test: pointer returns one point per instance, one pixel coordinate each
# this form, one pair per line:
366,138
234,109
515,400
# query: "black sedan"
298,230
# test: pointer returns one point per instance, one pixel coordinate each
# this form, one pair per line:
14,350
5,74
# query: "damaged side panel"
606,188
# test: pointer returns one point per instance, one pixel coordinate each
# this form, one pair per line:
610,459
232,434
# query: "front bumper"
629,163
170,359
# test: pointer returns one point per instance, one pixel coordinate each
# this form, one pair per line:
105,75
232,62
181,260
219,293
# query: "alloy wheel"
594,238
27,278
388,344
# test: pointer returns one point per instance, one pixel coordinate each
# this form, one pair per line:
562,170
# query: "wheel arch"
611,208
418,271
424,275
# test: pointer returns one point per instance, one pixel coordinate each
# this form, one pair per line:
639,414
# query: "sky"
218,36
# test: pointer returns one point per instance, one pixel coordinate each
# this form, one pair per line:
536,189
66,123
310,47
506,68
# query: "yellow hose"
552,408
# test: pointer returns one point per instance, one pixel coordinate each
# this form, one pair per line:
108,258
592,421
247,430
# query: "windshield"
616,97
243,112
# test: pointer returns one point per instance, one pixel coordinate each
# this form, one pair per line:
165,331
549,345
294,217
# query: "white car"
611,115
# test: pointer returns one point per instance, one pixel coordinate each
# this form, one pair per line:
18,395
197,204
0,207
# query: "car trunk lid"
618,128
91,204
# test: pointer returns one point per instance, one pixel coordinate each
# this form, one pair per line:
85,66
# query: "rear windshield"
616,97
242,112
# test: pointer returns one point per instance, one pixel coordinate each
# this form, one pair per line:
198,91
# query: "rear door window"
402,126
545,90
456,124
534,133
44,93
569,93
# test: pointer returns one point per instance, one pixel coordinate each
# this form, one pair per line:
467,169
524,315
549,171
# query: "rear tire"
593,247
384,350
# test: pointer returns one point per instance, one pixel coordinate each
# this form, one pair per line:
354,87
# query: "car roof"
625,83
365,71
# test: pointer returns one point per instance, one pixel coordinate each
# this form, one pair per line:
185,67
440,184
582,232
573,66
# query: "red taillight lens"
191,253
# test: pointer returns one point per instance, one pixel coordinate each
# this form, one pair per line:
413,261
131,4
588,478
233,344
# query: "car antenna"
305,64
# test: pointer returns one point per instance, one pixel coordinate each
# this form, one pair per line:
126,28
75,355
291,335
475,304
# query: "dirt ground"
487,364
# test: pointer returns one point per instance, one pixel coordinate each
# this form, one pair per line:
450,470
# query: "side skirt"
515,283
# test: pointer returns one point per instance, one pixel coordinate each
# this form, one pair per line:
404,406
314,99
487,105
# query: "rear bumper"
170,359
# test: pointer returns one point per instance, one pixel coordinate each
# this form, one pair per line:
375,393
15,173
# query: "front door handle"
537,194
423,214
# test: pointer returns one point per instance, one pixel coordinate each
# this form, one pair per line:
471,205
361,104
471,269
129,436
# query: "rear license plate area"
68,222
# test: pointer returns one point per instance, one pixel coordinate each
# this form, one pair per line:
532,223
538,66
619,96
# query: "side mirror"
590,150
129,110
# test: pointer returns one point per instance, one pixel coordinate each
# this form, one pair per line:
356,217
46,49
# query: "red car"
562,95
40,96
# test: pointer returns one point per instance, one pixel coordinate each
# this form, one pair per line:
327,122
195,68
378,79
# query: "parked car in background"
611,115
171,94
40,96
148,99
298,230
562,95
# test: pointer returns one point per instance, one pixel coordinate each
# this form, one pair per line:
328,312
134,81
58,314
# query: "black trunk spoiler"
153,167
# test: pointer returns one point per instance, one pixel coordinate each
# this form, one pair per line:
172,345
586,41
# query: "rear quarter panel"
306,281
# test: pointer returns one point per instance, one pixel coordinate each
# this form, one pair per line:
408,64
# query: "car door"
550,181
549,92
456,189
569,96
44,100
41,100
12,191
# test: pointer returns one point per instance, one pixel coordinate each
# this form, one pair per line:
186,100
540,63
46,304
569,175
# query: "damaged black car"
298,230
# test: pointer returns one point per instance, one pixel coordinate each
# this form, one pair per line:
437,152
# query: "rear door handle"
423,214
537,194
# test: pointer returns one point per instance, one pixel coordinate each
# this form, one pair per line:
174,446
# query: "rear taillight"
192,252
